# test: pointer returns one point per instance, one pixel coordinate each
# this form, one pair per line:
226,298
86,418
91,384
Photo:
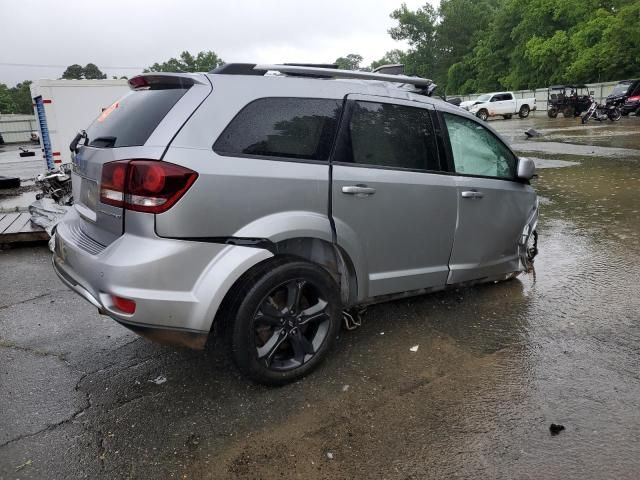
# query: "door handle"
472,194
359,190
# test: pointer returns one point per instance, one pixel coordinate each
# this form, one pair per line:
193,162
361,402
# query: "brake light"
138,83
147,186
635,98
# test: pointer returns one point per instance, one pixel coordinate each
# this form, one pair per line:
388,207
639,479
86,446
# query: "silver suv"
264,201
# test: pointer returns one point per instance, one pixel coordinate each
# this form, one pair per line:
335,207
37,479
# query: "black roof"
562,87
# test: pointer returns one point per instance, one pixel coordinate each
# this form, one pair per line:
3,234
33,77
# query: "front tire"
483,115
287,318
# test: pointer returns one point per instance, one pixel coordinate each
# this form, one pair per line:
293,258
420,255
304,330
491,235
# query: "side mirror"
526,168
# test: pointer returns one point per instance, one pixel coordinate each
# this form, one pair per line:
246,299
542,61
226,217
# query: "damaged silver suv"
262,202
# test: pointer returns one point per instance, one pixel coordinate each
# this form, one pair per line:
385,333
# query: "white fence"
17,128
600,90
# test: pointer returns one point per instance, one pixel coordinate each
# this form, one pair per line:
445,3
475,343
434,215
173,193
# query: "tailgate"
140,125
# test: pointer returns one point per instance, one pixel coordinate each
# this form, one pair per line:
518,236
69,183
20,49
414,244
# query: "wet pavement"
82,397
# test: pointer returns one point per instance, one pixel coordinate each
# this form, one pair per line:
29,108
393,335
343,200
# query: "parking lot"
82,397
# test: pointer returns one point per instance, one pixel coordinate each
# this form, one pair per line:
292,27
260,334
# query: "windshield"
484,98
620,89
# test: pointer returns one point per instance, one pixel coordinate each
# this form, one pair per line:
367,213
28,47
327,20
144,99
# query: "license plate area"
88,195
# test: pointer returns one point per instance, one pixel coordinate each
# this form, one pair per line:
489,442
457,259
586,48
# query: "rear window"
301,128
130,121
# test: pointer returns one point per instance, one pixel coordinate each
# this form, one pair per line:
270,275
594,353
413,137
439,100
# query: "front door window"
476,151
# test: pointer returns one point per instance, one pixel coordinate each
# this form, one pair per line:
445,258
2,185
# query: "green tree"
202,62
21,95
73,72
418,29
350,62
390,58
92,72
460,23
7,104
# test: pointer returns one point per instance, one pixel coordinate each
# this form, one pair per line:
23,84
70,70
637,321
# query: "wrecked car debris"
54,201
532,132
56,184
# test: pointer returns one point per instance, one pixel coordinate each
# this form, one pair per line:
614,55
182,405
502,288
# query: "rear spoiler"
165,81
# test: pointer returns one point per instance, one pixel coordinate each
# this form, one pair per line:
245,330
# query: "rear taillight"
634,98
147,186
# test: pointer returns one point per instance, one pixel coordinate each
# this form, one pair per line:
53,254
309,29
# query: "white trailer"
64,107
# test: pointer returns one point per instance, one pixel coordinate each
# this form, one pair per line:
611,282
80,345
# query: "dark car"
622,92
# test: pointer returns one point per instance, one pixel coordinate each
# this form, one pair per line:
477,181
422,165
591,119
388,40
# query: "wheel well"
325,254
329,256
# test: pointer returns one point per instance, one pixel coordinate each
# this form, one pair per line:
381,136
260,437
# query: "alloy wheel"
290,325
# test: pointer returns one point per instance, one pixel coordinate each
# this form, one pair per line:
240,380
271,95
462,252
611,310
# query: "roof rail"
337,73
248,68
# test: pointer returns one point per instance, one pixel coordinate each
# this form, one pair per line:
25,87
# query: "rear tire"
524,111
615,115
552,112
287,315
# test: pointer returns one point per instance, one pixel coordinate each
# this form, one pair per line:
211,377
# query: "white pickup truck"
499,104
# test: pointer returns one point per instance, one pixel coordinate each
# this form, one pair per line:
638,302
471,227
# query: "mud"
496,364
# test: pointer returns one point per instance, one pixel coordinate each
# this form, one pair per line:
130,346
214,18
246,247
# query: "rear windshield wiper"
73,146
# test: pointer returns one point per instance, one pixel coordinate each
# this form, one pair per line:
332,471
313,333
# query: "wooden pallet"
17,227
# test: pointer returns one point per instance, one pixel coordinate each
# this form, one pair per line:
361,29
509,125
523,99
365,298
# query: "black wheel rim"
290,325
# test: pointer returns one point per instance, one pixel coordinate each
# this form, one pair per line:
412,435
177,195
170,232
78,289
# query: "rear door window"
298,128
476,151
131,120
390,135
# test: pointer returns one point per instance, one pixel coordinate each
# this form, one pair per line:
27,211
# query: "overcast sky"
138,33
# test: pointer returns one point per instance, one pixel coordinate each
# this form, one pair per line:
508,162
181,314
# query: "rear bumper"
177,285
167,336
